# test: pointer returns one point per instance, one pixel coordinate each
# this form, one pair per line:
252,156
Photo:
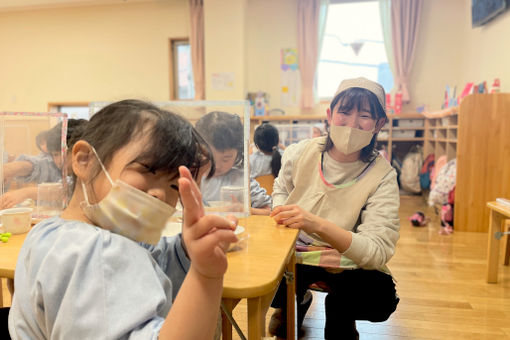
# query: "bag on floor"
426,171
445,182
411,166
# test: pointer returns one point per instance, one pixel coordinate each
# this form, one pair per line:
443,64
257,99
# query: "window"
181,74
73,110
353,46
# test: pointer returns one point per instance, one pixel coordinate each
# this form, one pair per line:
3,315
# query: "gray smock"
74,280
211,188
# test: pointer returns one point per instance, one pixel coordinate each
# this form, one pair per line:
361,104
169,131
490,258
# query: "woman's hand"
294,216
206,236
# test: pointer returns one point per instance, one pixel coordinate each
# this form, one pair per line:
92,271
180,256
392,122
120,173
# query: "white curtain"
385,12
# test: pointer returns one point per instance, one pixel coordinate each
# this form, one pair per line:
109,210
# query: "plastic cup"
232,198
49,199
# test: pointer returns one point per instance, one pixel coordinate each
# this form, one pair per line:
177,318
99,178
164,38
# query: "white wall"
270,26
486,51
224,25
438,53
111,52
451,52
87,53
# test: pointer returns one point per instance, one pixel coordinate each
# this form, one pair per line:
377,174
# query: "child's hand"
206,237
294,216
11,198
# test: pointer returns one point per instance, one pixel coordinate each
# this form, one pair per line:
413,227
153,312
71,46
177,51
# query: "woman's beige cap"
364,83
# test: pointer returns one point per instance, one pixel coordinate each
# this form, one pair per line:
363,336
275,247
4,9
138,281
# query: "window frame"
173,67
327,100
56,106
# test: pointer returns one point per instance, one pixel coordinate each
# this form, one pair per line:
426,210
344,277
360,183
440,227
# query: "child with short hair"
85,276
224,134
43,168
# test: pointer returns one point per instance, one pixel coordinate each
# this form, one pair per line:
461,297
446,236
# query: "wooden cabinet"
483,158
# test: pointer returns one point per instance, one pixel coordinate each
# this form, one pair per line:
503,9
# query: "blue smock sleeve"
77,281
259,196
170,255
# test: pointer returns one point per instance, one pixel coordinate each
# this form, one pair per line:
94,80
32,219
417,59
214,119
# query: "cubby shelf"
436,131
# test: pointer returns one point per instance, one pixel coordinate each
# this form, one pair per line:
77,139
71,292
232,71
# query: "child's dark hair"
74,129
356,97
173,140
223,131
266,138
40,139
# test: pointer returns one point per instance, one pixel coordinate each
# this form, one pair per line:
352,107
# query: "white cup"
16,220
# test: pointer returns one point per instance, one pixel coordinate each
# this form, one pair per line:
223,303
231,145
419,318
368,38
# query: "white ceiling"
17,5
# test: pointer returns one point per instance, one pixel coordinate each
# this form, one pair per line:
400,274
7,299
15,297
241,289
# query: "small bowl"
16,220
239,231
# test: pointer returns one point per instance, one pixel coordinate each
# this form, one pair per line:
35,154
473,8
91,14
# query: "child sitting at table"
43,168
268,158
224,134
85,276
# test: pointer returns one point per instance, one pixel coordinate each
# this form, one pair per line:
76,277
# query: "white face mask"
348,139
128,211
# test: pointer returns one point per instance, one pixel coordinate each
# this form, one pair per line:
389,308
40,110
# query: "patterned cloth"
311,252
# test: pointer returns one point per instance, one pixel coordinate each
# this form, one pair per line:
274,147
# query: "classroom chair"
266,182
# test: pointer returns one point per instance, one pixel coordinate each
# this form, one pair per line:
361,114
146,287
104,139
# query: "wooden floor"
441,284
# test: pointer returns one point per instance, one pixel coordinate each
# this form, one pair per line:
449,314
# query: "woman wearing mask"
344,198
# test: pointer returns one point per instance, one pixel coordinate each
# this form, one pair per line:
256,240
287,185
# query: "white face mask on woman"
348,139
128,211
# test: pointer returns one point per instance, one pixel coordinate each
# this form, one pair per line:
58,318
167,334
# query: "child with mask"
85,276
344,198
224,134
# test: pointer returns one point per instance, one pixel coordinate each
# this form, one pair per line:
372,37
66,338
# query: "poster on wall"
222,81
290,79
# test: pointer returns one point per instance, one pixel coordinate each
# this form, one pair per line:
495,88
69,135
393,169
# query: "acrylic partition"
293,133
32,155
228,193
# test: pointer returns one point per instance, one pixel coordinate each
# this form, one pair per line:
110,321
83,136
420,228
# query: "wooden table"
255,269
8,258
498,217
254,272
